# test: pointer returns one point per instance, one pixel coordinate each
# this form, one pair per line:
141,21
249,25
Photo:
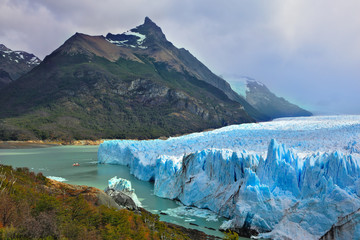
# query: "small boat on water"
76,164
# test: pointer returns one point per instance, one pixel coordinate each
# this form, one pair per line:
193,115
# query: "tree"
230,235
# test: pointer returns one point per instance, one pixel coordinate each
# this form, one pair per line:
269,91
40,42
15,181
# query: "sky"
304,50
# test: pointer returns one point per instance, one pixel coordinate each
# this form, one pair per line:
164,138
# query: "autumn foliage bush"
29,210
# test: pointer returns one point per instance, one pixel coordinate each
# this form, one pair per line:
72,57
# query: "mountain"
263,100
131,85
14,64
149,37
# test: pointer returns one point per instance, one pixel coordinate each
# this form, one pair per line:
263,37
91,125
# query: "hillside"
265,101
34,207
131,85
14,64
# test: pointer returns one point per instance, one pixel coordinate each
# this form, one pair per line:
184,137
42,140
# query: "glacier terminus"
296,178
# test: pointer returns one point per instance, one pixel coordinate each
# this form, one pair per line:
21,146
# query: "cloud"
304,50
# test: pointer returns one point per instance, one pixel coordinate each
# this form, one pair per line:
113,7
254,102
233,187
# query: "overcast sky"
304,50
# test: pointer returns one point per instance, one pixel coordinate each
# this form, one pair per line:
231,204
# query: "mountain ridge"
14,64
182,60
261,98
90,88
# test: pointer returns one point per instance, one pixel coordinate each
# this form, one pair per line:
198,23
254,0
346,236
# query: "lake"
57,162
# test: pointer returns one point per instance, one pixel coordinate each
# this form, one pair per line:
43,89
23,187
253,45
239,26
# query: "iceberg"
189,212
289,178
59,179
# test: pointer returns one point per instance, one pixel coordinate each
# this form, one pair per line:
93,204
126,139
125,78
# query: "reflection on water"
58,162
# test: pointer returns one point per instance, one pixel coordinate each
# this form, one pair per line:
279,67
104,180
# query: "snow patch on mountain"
19,56
130,38
140,36
296,185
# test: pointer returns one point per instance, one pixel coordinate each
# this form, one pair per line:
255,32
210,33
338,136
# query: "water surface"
57,161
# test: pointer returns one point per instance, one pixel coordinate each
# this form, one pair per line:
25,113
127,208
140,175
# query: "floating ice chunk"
59,179
188,212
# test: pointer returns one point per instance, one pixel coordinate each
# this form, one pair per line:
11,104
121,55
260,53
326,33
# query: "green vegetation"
230,235
82,97
34,207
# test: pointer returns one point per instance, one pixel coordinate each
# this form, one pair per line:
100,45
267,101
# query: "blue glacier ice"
296,186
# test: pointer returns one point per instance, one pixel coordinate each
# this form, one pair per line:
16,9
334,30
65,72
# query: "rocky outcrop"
123,200
123,194
91,194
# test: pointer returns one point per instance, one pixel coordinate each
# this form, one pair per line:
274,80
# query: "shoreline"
46,143
5,144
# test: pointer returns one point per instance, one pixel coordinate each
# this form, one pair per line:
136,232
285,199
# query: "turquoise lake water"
57,161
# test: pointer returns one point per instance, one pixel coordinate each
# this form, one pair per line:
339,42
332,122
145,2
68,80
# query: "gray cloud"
307,51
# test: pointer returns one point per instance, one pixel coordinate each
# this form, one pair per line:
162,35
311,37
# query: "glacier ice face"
347,227
280,191
297,188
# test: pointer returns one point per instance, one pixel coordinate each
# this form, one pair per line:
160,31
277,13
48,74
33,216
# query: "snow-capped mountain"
14,64
149,40
298,186
265,101
131,85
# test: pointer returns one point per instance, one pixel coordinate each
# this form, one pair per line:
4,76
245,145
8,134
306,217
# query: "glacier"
288,178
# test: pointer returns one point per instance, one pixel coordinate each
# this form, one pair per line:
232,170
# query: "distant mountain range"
263,100
131,85
14,64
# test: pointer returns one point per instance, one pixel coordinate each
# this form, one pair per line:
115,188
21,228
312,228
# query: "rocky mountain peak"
14,64
141,37
148,21
150,28
4,48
